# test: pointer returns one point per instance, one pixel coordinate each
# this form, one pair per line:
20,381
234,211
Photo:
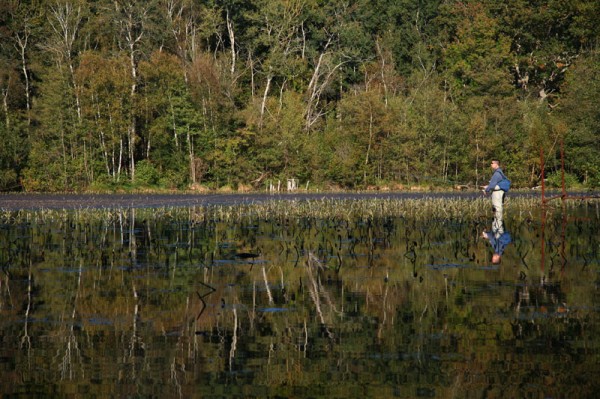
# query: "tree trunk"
382,57
317,84
191,156
131,144
251,64
231,41
133,24
22,46
5,105
68,21
64,151
369,146
264,100
173,123
120,158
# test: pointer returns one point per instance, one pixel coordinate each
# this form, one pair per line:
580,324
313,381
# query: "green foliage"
580,112
55,156
13,152
174,179
555,180
280,141
336,93
103,183
363,127
145,173
477,57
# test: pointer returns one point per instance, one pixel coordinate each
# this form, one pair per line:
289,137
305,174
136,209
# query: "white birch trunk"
22,46
231,41
264,100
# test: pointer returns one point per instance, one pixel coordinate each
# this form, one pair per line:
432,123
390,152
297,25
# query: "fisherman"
497,195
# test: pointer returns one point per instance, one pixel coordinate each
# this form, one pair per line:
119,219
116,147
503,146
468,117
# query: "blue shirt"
497,176
499,243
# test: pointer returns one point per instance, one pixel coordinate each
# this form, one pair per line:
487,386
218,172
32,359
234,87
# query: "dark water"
157,303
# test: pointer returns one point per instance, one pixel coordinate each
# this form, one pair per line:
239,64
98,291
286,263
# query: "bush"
102,183
571,181
173,180
145,173
8,180
593,180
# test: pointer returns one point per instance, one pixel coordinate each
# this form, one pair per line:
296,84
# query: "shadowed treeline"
240,95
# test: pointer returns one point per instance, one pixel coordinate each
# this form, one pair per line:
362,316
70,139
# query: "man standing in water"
497,196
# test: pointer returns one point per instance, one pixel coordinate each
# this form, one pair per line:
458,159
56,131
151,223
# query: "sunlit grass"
414,209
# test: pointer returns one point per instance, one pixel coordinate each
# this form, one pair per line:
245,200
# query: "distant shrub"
571,181
146,173
592,178
103,182
173,180
8,180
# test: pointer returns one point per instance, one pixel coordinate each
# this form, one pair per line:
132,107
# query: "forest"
102,95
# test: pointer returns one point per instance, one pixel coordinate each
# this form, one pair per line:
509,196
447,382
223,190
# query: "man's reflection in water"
499,238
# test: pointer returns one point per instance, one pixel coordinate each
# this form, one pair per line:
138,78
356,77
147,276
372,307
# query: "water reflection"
135,303
499,238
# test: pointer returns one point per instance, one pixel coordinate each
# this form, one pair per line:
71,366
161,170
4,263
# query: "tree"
364,124
54,164
208,88
176,133
214,91
131,19
476,56
578,108
546,37
105,84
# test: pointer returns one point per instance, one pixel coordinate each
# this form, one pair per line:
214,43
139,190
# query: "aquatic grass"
519,208
334,209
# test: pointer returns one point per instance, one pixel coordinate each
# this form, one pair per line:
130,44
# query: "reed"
519,208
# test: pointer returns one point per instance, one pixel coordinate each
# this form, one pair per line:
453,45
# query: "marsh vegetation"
288,298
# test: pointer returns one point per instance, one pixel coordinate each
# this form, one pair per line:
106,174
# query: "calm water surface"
160,303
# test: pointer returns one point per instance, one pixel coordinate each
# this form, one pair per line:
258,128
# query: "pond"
342,297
